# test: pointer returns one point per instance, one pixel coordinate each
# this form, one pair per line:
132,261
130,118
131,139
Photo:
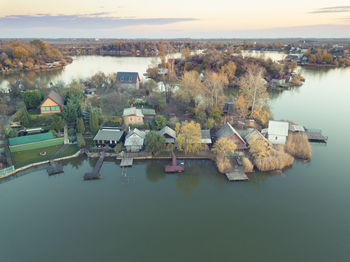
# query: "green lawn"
23,158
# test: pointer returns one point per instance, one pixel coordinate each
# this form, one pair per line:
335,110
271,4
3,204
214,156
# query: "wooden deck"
126,162
315,136
236,175
95,174
54,168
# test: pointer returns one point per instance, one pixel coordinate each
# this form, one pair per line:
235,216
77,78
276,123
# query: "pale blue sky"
169,18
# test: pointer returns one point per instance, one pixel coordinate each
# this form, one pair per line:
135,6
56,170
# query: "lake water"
196,216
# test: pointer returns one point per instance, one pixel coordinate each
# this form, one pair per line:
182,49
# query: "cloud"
333,9
86,22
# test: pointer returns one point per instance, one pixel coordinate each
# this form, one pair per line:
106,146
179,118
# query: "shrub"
247,164
118,148
298,146
81,140
223,164
278,160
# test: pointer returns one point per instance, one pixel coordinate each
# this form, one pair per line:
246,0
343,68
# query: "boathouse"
53,103
128,80
277,132
134,140
108,136
169,135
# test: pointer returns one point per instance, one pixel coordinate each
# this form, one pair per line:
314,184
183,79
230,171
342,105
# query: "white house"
278,132
134,140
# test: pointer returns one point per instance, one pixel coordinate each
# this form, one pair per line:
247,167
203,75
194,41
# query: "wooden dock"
126,162
95,174
315,135
54,168
237,175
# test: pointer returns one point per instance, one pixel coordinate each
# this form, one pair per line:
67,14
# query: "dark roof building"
128,79
169,135
53,103
227,131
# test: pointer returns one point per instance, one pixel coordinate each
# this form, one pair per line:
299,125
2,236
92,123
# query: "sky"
174,18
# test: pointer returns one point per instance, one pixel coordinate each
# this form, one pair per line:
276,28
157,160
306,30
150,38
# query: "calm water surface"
196,216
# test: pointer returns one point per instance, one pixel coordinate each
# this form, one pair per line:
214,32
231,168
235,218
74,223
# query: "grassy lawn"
32,156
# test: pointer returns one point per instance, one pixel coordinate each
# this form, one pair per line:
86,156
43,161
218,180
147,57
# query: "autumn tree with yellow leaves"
188,137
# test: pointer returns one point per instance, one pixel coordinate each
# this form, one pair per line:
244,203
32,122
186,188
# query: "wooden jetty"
126,162
95,174
236,175
315,135
174,167
54,168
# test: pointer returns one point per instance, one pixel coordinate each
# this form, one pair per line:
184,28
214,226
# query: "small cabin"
169,135
134,140
53,103
108,136
277,132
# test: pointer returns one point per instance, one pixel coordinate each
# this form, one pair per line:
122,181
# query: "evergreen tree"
80,126
93,122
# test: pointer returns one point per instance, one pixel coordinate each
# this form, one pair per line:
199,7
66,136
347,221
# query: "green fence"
35,145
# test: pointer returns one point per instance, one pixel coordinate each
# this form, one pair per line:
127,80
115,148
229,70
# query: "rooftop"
56,97
278,128
132,111
128,77
109,134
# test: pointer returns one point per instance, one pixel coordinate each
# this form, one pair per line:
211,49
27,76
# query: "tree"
93,122
213,89
159,122
57,123
253,89
32,98
259,148
186,53
188,137
12,133
23,116
229,69
71,111
223,146
80,125
241,107
81,140
154,142
216,114
190,87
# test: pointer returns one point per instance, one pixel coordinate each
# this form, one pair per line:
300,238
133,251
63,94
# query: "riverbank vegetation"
16,56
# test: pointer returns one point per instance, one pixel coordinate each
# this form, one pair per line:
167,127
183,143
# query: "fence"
6,170
36,145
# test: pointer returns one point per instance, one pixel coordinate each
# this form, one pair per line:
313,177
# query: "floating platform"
315,135
236,176
54,168
95,174
92,176
126,162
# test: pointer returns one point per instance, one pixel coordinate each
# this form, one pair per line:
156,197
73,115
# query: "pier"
54,168
236,175
315,135
95,174
126,162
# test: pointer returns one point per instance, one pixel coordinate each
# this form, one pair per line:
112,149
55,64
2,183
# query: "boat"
174,167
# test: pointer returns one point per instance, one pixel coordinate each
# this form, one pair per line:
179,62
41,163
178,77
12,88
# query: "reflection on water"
155,170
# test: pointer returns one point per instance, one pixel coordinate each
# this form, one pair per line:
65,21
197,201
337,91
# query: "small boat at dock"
174,167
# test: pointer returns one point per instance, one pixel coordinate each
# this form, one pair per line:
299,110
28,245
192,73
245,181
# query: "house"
148,114
227,131
108,136
229,110
53,103
129,80
277,132
206,138
169,135
134,140
133,116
